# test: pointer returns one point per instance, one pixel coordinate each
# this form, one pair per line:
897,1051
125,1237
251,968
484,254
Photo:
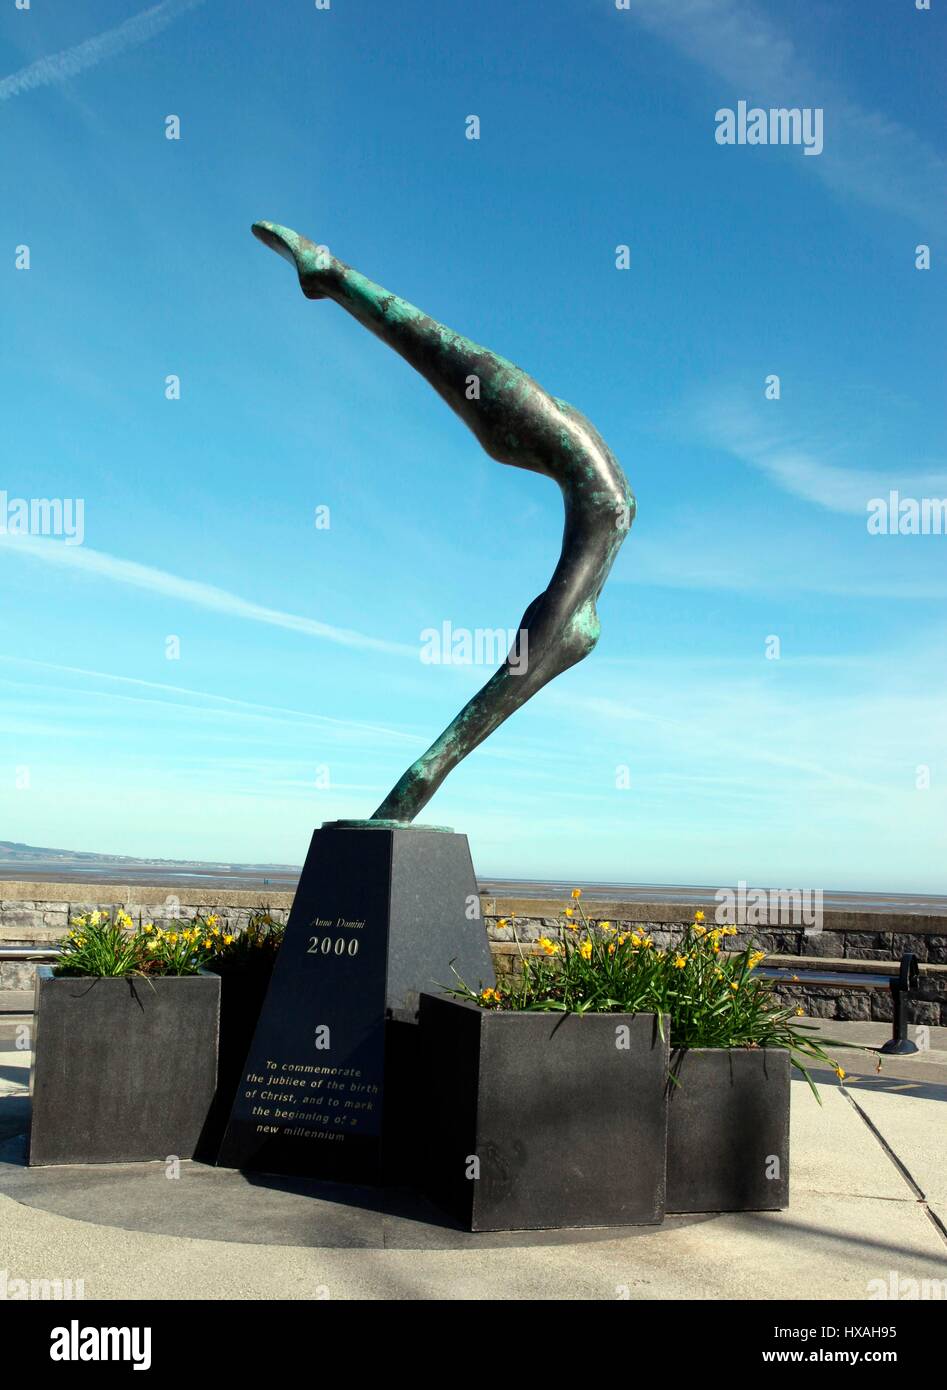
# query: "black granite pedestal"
380,915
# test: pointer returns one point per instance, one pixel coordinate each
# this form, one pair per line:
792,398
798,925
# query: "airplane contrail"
45,72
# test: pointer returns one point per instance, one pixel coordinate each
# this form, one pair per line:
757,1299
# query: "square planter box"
123,1069
728,1130
242,993
541,1120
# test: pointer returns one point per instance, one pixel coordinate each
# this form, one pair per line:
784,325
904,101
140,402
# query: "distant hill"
20,861
34,863
13,850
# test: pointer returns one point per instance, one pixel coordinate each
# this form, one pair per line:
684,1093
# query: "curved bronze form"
517,423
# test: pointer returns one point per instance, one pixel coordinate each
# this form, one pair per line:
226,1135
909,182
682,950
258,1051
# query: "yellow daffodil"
799,1013
490,996
548,946
841,1073
212,920
228,940
570,912
698,916
755,959
585,950
606,927
503,922
680,962
577,893
734,985
208,943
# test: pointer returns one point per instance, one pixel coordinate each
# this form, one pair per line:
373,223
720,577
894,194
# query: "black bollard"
903,986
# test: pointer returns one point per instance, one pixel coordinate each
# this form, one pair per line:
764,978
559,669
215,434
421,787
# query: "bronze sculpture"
517,423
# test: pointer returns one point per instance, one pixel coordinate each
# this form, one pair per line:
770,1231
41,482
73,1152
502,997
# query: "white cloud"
799,470
69,62
867,155
217,705
98,565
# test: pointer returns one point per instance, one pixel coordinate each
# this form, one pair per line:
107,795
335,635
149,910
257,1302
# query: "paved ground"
869,1203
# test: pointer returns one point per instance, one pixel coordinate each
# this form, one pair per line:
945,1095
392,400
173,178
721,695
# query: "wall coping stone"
866,920
805,964
16,891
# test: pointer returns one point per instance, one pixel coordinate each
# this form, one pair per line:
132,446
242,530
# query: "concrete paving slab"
856,1033
129,1231
195,1200
823,1248
832,1150
14,1072
917,1134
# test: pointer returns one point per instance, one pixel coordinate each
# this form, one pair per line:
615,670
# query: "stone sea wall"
866,943
37,914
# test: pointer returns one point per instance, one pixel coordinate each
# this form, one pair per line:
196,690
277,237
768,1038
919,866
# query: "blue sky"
299,694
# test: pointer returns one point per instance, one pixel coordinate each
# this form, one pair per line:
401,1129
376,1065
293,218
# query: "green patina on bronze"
517,423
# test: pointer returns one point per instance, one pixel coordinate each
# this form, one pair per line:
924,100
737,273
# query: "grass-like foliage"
252,950
99,945
105,946
712,996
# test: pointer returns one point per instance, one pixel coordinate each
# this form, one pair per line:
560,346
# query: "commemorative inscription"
378,917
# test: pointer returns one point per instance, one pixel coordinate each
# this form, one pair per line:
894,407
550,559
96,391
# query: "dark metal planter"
124,1069
542,1120
728,1130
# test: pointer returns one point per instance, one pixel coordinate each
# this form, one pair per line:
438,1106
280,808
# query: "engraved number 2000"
325,946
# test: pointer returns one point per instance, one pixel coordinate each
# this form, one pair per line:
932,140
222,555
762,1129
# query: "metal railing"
903,986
